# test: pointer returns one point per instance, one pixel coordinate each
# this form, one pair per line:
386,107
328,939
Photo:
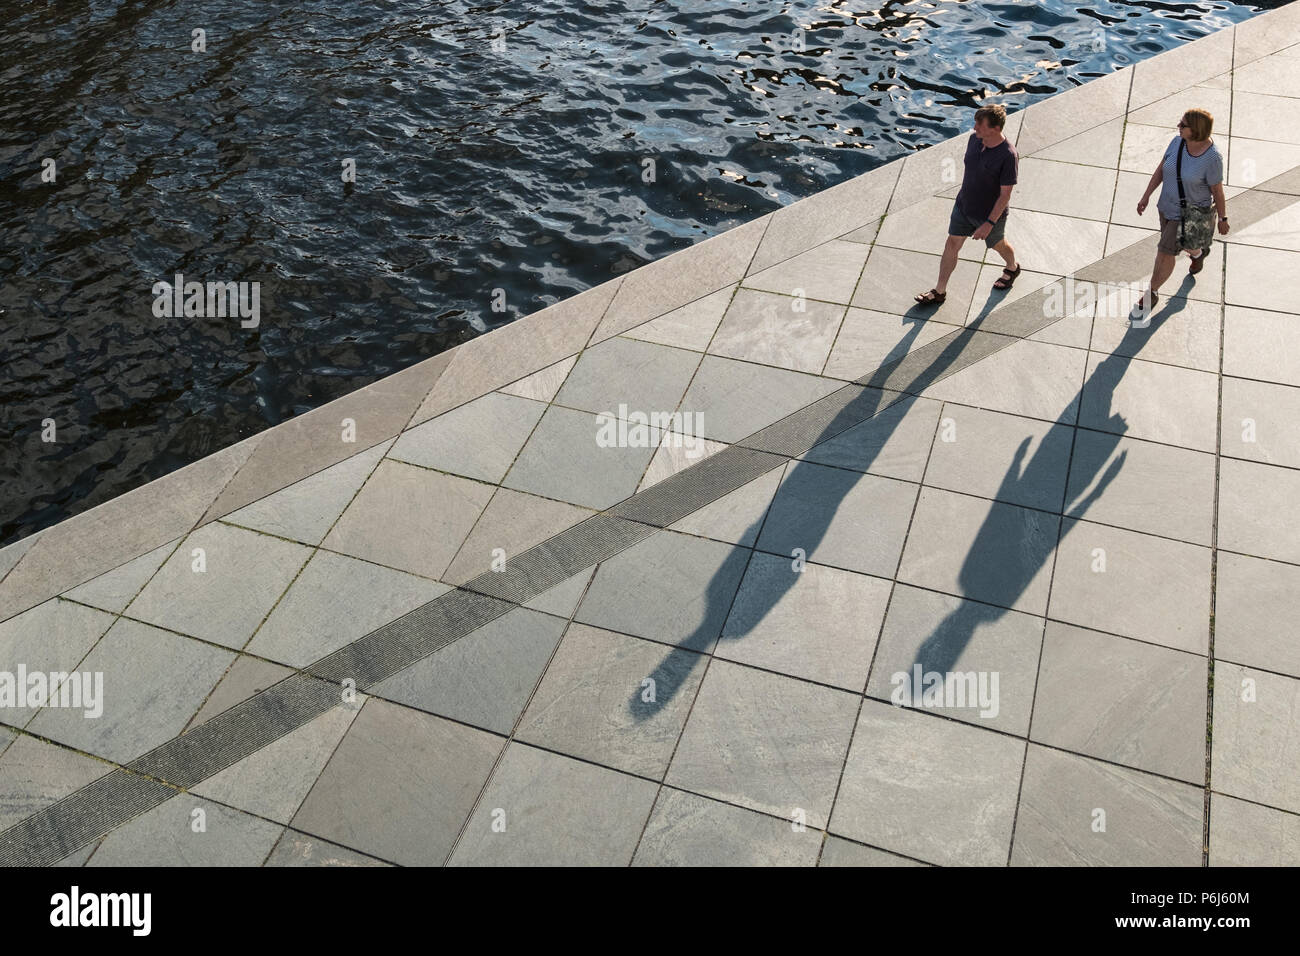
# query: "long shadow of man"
832,485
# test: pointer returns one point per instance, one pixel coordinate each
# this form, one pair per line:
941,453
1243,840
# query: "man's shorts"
1168,243
963,225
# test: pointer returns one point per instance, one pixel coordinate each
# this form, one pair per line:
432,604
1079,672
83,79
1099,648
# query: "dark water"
477,169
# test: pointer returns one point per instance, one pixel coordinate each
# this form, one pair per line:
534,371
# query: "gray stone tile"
1176,406
737,516
336,600
1186,334
974,449
1251,596
1122,701
923,225
526,345
1052,244
247,677
327,435
841,852
1098,146
409,518
1060,117
1280,230
1129,187
688,327
1133,584
937,790
478,440
1158,489
565,460
1182,67
893,276
1145,145
992,552
689,830
400,785
765,742
1259,510
243,575
11,554
1032,287
946,635
485,677
868,340
1261,345
51,637
34,774
113,590
732,399
511,523
677,451
273,781
779,330
819,623
1027,378
615,700
300,849
676,280
1252,162
1261,422
642,376
153,683
827,273
1256,736
556,811
1264,116
1246,834
934,170
839,518
1263,35
562,600
1065,188
894,442
105,537
829,214
628,591
542,386
1261,278
1066,800
307,509
188,831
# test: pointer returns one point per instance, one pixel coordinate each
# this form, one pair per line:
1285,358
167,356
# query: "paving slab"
188,831
1255,601
817,623
689,327
614,700
893,276
551,810
972,647
484,678
732,399
643,376
246,677
114,590
541,386
1259,510
1162,403
827,273
1184,332
689,830
1028,378
1123,701
868,339
1256,736
787,332
154,681
1260,421
1132,584
766,742
1261,345
336,600
391,520
991,552
737,516
400,785
1247,834
841,852
839,518
301,849
511,524
52,637
1076,811
219,584
934,789
35,773
893,443
1261,278
478,440
923,226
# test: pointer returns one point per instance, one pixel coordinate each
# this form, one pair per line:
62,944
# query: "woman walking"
1191,172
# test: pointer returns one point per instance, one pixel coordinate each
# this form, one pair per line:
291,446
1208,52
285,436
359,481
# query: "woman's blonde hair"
1201,122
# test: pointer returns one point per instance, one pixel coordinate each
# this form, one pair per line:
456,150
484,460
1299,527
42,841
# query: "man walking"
980,211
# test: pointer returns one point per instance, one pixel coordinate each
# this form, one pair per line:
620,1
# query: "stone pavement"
642,578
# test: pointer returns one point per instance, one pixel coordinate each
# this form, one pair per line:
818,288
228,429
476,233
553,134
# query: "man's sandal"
933,297
1008,279
1198,262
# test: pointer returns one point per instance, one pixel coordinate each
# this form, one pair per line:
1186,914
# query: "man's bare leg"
1008,254
948,263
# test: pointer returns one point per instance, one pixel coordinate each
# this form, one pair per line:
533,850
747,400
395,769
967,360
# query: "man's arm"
1004,200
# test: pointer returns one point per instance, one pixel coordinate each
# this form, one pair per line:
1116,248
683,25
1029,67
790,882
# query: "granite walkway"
644,577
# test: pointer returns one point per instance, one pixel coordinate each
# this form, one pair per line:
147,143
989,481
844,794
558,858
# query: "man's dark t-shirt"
987,171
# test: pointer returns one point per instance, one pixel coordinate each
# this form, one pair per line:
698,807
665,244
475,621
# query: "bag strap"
1182,197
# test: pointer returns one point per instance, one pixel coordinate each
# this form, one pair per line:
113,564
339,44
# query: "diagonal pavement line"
81,817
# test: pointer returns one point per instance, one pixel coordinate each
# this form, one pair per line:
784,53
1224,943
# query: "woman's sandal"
1008,279
933,297
1198,262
